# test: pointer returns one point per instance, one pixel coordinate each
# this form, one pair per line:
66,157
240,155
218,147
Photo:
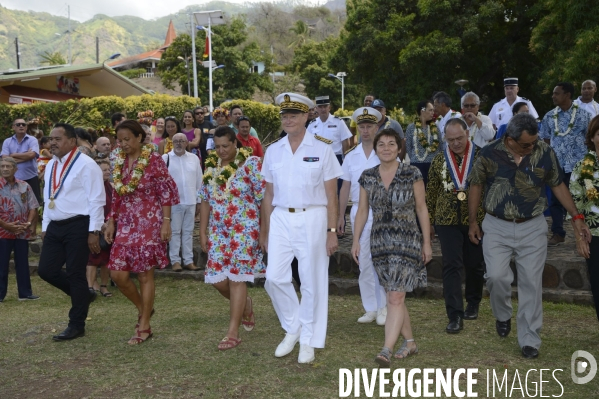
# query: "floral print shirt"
16,200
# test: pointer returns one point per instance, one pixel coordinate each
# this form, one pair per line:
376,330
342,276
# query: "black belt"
70,220
517,220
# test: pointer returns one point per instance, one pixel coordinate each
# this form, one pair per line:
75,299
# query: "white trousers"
373,295
303,235
182,222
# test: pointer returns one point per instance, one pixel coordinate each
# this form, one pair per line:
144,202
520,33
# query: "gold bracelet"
165,218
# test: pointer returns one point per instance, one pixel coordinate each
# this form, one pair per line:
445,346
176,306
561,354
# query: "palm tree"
55,58
302,32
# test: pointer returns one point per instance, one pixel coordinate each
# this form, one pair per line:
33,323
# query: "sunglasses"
170,118
20,124
469,105
243,118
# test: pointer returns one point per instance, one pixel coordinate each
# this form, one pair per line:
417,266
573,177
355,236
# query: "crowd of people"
126,201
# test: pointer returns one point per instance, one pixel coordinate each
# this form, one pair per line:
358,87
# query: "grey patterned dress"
395,242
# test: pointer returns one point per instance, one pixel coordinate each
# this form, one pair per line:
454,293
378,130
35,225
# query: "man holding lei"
564,128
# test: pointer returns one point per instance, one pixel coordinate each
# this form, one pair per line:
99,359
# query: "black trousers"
459,254
21,250
593,267
66,242
34,182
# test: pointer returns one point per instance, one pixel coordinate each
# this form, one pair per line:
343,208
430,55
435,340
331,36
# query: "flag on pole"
207,48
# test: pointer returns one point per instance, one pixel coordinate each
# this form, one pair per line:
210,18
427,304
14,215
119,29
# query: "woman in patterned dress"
423,141
230,227
142,198
395,192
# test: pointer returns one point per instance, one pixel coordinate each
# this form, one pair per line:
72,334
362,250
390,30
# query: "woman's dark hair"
134,127
388,133
193,118
516,107
83,134
170,119
591,131
226,131
44,140
422,105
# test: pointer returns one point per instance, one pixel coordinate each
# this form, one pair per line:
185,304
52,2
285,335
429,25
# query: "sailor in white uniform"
501,113
330,127
358,159
299,215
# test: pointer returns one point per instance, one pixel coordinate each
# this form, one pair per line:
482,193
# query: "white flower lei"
570,124
214,172
447,186
435,143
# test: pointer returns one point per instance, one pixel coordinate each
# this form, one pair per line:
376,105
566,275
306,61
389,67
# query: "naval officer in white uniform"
358,159
330,127
299,215
501,113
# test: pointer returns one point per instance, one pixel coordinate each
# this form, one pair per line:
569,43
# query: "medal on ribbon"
55,186
459,175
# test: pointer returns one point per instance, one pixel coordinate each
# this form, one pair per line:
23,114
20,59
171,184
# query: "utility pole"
193,57
18,54
69,12
97,50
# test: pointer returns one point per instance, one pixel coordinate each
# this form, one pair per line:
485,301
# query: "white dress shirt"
443,121
592,107
501,113
82,192
333,129
187,174
354,164
483,135
298,179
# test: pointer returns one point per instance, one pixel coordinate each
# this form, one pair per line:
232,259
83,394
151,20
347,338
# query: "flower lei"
424,140
453,114
570,124
587,174
136,174
447,183
219,176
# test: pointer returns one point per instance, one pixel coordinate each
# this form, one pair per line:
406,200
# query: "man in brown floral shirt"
513,171
446,200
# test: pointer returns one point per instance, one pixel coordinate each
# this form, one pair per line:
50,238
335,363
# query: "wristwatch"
95,232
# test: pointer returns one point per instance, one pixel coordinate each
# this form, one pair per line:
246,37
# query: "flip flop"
228,343
249,322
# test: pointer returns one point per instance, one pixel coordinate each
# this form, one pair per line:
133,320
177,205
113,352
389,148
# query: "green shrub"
264,117
133,73
93,112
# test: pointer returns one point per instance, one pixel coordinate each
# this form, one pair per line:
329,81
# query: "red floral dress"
234,227
137,245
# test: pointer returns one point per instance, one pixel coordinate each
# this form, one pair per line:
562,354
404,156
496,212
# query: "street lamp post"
186,59
340,77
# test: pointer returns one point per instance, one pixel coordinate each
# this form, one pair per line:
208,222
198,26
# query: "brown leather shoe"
191,267
555,240
177,267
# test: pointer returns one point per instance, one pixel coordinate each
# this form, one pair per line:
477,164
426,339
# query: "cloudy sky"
82,10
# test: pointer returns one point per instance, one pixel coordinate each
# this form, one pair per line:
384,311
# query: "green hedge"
264,117
93,112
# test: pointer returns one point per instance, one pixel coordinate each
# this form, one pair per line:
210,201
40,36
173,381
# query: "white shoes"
287,345
368,317
381,316
306,354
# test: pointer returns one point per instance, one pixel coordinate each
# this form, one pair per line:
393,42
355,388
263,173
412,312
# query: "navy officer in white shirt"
73,216
330,127
501,113
358,159
299,215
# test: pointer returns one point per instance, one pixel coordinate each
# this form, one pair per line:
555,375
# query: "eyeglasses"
199,113
20,124
179,141
469,105
526,146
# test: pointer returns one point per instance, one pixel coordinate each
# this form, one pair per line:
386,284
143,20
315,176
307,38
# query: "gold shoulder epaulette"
272,142
351,149
317,137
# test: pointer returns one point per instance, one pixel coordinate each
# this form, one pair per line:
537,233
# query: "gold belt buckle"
292,210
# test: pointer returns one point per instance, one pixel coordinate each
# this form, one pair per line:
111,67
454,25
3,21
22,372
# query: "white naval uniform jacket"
333,129
501,113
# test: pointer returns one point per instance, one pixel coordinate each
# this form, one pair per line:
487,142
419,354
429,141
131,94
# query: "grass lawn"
182,361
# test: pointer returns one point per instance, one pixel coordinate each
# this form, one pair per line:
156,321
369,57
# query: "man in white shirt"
501,113
185,169
586,100
330,127
299,215
73,216
480,127
442,106
358,159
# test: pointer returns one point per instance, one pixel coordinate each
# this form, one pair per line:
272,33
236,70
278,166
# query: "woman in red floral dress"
143,195
230,227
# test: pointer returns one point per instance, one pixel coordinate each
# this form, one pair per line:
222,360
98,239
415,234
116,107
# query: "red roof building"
147,60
